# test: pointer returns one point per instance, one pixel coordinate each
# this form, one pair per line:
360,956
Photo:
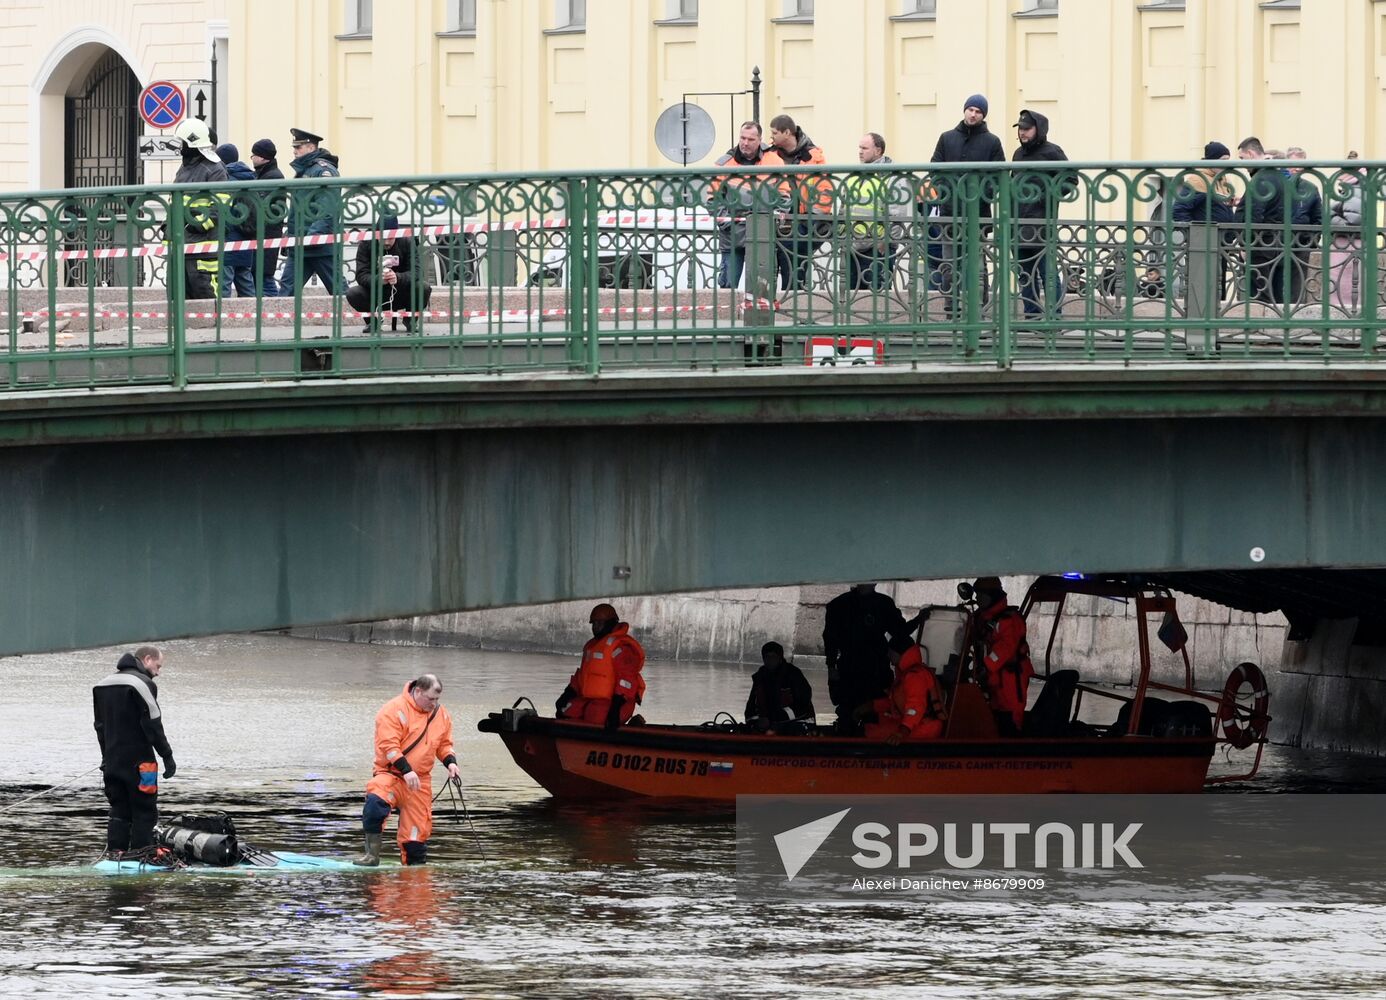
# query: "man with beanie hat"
237,268
266,168
970,141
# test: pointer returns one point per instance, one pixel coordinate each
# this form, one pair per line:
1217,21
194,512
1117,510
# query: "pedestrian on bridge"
390,275
201,165
317,213
412,732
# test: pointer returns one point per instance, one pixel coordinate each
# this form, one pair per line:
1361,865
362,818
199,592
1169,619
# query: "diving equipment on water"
210,838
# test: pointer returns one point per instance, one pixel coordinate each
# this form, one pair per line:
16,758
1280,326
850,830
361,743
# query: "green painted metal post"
591,304
973,268
1002,303
177,292
575,271
1371,196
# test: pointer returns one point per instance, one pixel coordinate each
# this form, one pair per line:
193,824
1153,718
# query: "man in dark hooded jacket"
1037,198
129,730
315,213
970,141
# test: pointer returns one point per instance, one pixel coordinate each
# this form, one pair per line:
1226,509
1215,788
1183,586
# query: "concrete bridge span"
144,513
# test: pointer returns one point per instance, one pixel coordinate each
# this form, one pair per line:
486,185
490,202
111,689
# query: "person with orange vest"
808,196
607,684
1005,655
412,731
730,197
913,708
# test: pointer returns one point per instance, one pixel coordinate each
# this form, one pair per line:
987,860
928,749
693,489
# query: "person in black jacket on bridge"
1037,198
970,141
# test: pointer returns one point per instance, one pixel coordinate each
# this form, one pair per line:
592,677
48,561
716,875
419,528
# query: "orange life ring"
1255,729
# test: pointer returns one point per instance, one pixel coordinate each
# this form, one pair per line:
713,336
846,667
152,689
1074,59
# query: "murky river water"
545,901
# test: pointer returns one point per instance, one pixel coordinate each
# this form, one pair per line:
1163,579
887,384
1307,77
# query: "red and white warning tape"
468,314
617,219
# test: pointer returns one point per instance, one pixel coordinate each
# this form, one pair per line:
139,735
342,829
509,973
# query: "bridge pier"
1330,691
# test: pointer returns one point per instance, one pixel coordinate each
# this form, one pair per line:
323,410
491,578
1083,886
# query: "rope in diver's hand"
44,791
454,797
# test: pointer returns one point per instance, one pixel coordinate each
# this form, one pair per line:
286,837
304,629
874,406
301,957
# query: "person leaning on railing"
729,197
872,201
201,165
1264,209
1306,210
389,275
1205,196
1345,259
810,198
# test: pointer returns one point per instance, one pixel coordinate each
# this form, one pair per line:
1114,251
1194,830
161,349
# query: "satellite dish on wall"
684,133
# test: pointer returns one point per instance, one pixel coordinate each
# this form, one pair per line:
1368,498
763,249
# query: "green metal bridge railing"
591,273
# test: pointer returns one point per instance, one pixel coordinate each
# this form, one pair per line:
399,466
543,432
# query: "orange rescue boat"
1154,745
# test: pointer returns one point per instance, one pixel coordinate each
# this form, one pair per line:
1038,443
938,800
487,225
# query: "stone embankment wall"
1098,638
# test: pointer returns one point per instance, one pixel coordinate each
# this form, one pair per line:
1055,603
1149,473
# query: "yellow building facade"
502,85
461,86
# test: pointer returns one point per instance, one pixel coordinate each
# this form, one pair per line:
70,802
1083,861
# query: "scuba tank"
208,839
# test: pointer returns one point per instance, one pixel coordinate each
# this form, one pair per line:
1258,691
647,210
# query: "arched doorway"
101,131
101,126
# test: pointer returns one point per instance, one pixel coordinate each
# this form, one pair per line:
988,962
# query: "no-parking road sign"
162,104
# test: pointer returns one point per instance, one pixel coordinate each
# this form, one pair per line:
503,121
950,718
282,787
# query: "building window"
680,12
796,11
358,17
572,15
462,16
916,8
1038,8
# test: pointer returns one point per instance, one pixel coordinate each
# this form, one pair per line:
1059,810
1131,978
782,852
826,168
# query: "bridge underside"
142,537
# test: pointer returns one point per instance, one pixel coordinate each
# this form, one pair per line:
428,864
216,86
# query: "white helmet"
194,134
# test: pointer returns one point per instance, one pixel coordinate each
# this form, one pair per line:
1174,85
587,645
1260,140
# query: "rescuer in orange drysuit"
1005,655
607,684
411,732
913,708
